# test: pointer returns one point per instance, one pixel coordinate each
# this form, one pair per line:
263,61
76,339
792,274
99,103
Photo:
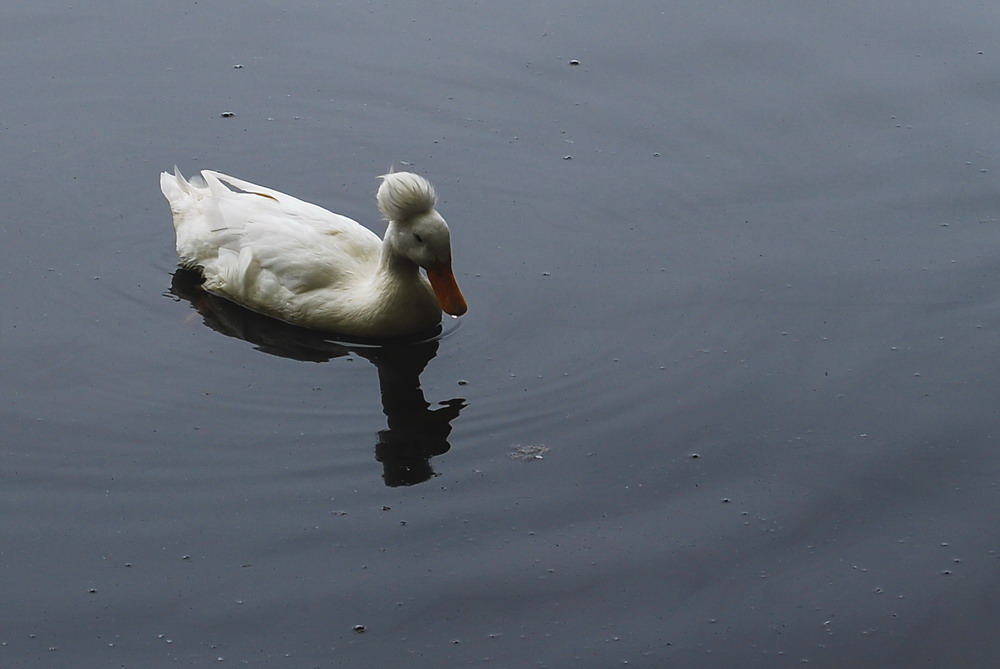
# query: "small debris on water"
227,114
567,157
238,66
528,452
359,629
574,62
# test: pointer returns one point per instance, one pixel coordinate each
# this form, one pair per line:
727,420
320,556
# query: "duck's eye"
420,240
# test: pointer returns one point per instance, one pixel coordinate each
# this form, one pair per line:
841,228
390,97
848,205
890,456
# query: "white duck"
298,262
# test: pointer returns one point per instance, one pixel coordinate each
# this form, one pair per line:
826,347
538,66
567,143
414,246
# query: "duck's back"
264,249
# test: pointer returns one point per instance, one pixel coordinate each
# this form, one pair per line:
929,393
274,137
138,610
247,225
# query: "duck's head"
420,234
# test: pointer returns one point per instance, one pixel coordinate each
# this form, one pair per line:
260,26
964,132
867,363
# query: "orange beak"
446,289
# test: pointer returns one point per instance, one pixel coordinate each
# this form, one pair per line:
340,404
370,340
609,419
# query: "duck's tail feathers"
404,195
174,186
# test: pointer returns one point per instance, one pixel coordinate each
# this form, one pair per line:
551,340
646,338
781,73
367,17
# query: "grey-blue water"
726,395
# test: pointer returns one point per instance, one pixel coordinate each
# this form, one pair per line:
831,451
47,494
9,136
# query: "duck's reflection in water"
414,434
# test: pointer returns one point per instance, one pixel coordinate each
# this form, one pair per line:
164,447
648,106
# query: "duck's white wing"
255,212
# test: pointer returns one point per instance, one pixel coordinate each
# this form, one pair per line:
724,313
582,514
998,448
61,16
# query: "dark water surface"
733,276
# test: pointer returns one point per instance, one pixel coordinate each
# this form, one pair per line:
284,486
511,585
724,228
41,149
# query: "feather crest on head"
404,195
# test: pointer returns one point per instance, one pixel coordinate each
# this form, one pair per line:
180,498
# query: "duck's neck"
400,290
394,264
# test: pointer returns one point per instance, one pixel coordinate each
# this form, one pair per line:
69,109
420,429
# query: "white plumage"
298,262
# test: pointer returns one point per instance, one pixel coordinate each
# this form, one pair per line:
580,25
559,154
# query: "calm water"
733,277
